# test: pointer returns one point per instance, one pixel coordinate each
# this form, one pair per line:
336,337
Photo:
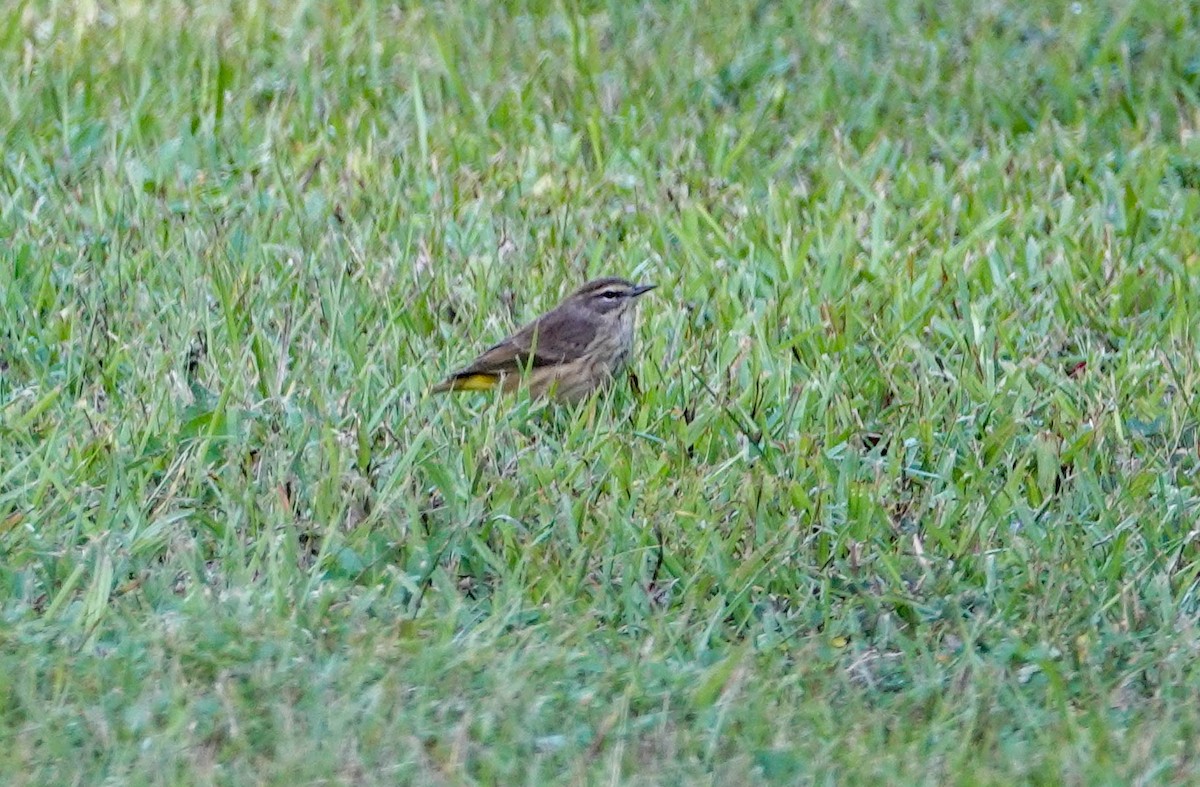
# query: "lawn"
904,490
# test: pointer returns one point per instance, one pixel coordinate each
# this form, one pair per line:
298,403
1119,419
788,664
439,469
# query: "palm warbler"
567,352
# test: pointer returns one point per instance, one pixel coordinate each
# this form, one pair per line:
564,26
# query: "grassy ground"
908,493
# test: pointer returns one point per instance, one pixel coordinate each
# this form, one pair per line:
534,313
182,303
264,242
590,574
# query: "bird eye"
611,295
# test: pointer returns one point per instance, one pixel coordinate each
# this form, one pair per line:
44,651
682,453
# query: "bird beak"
641,289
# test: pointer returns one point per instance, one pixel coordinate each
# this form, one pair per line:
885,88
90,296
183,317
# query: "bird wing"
551,339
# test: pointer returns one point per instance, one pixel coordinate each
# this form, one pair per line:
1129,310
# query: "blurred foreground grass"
908,494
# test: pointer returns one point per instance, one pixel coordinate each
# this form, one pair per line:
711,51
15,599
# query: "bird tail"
468,382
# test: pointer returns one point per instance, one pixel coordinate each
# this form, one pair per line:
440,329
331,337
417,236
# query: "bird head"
610,295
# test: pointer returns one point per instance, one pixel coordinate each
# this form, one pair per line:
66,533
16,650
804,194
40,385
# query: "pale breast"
571,382
623,345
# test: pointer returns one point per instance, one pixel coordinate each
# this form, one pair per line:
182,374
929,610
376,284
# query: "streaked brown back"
556,337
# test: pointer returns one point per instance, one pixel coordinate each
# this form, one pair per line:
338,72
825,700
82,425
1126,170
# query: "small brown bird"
567,352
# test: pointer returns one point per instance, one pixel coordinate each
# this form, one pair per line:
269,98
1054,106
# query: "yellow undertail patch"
474,382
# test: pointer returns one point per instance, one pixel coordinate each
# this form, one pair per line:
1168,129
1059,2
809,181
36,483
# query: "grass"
907,493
